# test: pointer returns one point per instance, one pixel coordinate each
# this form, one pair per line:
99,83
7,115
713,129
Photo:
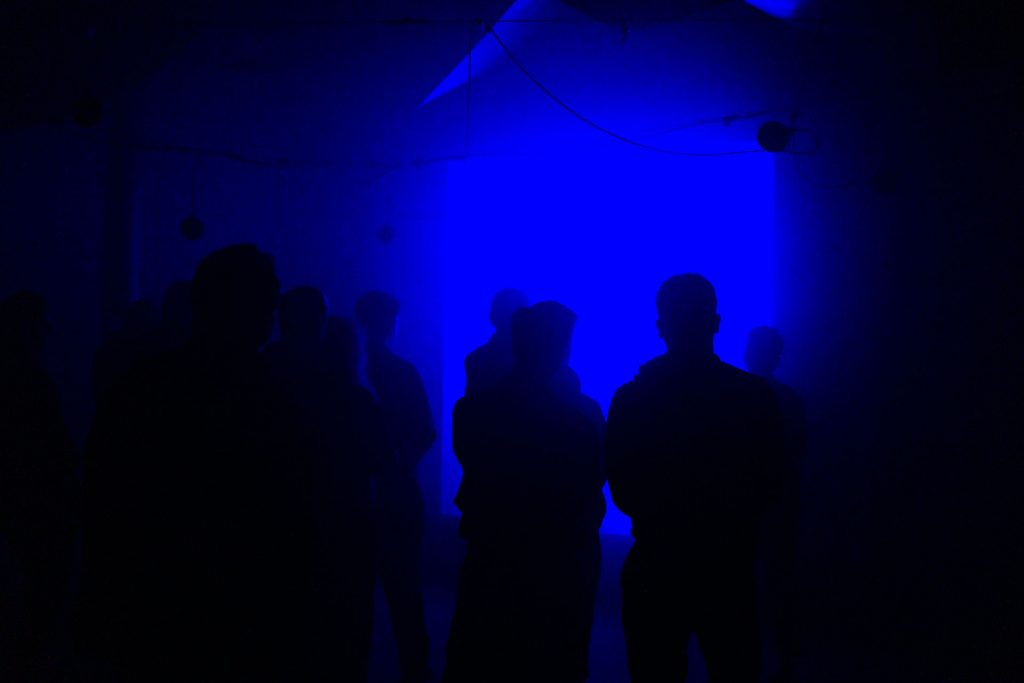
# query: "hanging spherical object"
192,228
385,234
774,136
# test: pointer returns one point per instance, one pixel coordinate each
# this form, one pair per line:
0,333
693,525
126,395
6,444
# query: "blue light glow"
599,233
782,9
487,52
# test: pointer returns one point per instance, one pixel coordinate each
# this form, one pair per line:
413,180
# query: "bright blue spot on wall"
599,233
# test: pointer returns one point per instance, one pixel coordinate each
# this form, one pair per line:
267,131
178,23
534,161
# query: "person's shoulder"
401,366
626,392
387,366
589,402
476,356
628,399
590,408
786,393
470,406
730,373
635,388
742,378
741,383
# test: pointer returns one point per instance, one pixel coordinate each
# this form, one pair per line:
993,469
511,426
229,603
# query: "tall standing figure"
487,365
37,494
406,412
340,424
694,452
782,521
531,497
198,532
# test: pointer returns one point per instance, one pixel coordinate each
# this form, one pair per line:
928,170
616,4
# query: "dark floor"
607,647
850,632
840,644
607,654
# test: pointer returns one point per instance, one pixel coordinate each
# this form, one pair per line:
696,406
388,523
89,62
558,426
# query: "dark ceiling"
55,51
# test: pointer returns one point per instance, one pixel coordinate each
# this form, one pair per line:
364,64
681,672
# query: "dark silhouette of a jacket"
694,453
532,460
199,524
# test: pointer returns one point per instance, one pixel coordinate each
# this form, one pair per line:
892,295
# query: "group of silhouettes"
238,500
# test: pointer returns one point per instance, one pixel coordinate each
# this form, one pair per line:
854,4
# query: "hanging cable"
598,127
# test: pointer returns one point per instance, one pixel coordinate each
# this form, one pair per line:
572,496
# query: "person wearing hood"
532,503
695,454
487,365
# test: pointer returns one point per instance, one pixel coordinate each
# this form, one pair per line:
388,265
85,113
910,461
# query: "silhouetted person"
347,443
489,364
532,503
406,410
138,338
302,316
199,530
143,336
37,492
782,520
694,452
344,349
176,314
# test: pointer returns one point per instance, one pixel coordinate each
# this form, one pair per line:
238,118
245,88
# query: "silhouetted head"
24,323
764,351
542,338
341,341
234,294
176,311
303,315
688,314
377,314
504,304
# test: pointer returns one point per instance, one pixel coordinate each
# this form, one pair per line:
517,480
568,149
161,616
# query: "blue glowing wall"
600,234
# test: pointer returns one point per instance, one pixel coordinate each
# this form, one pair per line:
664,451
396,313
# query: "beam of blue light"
781,9
599,230
487,52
